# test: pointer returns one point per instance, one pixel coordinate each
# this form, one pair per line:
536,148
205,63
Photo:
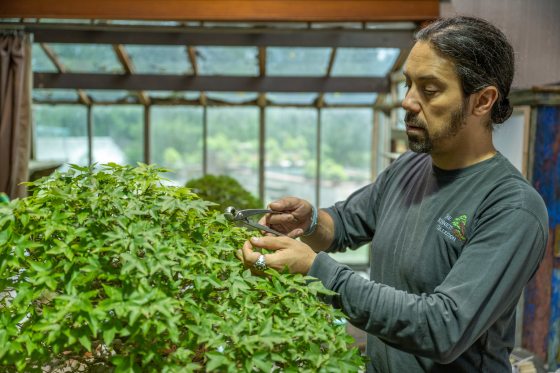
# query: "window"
233,144
176,141
61,133
345,163
118,134
291,143
345,152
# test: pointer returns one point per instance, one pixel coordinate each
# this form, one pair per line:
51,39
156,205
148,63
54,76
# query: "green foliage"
225,191
121,273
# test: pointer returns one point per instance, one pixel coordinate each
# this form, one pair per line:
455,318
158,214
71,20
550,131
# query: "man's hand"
295,218
288,252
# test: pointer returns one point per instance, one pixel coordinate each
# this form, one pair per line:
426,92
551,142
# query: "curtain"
15,111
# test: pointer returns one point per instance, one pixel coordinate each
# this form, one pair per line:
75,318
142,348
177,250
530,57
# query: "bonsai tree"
110,270
224,191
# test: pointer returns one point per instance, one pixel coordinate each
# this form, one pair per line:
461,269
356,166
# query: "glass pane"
358,257
364,61
283,25
291,61
159,59
350,98
61,133
345,163
176,141
233,144
391,26
40,62
87,57
336,25
180,95
290,145
292,98
55,94
228,61
118,134
233,97
142,22
345,152
103,95
64,20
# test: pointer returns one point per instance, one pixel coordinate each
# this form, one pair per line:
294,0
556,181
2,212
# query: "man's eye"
430,92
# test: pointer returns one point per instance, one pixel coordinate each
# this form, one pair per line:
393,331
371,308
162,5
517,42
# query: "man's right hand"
295,217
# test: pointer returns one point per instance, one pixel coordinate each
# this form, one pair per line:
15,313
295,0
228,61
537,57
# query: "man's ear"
483,100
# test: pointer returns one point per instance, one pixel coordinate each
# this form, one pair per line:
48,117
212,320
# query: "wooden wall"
533,27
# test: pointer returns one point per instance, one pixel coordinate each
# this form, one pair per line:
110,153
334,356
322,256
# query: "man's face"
434,102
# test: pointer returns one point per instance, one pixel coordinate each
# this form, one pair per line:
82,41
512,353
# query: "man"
456,231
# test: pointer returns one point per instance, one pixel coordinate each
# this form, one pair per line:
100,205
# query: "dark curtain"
15,111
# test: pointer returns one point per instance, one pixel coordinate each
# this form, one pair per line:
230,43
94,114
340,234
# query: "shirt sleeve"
355,218
503,253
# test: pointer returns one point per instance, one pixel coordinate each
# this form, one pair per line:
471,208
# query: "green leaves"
139,276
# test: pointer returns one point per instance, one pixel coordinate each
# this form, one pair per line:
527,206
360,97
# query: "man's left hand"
288,252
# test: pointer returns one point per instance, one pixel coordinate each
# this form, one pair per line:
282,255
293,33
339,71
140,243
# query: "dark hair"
481,53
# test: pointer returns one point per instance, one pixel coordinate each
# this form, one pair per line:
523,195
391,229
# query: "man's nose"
410,102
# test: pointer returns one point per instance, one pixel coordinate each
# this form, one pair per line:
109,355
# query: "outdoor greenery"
177,137
110,270
225,191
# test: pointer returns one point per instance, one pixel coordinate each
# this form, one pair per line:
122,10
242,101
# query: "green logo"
459,225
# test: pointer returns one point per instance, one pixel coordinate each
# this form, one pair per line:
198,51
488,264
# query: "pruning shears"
241,217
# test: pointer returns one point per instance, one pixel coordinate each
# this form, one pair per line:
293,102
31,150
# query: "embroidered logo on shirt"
452,228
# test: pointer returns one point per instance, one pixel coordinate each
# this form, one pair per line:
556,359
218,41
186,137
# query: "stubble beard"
423,142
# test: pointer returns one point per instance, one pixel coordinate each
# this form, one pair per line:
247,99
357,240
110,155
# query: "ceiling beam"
128,67
103,34
191,53
262,61
261,100
227,10
84,98
139,82
321,99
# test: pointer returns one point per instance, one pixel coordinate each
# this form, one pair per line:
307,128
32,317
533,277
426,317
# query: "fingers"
270,242
288,253
286,204
249,255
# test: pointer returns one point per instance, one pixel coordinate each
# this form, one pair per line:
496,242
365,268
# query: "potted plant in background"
224,191
110,270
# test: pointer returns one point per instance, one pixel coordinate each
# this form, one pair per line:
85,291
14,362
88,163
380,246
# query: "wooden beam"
114,34
147,135
321,99
123,58
261,99
139,82
227,10
262,61
128,67
209,103
83,97
191,53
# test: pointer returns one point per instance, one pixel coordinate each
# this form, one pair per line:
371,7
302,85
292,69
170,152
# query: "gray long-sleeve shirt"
450,254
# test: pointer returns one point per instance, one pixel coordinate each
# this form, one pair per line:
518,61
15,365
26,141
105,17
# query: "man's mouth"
413,127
